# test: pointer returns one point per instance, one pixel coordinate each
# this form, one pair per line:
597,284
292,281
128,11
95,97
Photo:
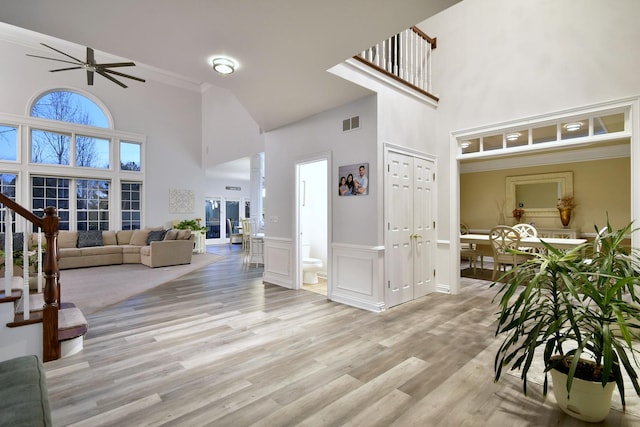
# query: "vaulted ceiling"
284,47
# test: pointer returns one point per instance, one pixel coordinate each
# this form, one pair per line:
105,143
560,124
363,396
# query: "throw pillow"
124,236
171,235
183,235
155,235
89,238
139,237
18,241
109,238
67,239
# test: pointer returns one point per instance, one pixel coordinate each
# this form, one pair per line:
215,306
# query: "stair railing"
405,57
51,349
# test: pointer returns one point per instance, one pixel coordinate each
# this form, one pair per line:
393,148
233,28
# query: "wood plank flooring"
218,347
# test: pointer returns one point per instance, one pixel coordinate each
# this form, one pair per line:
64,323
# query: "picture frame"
353,180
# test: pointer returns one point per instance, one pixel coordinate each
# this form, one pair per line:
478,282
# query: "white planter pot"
588,401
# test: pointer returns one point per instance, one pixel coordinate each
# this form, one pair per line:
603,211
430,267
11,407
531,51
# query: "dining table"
530,242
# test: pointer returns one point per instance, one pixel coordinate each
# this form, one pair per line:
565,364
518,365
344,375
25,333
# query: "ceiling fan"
91,66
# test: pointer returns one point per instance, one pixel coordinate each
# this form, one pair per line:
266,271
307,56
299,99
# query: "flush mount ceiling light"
465,144
224,65
573,126
513,136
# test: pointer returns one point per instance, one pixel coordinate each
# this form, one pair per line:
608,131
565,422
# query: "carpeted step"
36,302
71,323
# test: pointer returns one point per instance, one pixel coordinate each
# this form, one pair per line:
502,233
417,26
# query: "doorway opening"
217,211
312,225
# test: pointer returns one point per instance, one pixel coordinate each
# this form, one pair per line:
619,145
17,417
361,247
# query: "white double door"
410,228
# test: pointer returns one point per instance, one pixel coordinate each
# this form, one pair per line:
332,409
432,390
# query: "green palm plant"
572,304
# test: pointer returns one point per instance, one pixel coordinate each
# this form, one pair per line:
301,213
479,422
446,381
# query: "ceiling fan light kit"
91,66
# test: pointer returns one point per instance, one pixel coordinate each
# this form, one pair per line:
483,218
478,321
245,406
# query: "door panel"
410,226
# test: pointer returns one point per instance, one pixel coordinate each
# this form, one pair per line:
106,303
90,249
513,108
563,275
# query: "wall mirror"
538,194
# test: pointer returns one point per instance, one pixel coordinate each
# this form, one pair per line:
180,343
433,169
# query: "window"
92,204
51,148
92,152
130,155
8,188
51,191
69,107
131,205
8,143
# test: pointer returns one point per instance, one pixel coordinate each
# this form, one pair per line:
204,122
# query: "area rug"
94,288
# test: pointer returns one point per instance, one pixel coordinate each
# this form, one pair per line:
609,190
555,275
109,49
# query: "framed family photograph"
353,180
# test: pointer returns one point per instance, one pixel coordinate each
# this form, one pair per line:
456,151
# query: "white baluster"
428,73
8,252
25,271
39,260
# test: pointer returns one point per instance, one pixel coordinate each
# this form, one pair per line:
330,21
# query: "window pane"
8,187
545,134
130,195
493,142
49,147
608,124
130,157
92,152
44,186
92,202
70,107
212,218
8,143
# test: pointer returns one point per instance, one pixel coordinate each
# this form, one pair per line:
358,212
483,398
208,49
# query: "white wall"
216,187
169,116
501,60
228,131
354,219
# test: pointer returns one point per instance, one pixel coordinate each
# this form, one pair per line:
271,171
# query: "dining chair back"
232,234
505,239
470,251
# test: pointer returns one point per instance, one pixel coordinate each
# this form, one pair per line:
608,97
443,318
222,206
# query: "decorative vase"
565,216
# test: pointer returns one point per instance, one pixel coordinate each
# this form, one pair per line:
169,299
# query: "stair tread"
36,303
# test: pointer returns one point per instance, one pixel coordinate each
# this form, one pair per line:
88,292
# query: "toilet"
310,266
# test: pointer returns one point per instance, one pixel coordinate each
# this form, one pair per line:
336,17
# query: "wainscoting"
356,272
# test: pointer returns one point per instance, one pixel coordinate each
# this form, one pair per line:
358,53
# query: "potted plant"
577,308
191,224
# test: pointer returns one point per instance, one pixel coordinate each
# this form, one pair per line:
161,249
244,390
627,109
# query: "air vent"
351,124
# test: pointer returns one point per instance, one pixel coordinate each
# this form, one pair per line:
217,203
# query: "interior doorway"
217,211
312,224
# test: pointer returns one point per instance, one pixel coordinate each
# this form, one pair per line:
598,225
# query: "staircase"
36,322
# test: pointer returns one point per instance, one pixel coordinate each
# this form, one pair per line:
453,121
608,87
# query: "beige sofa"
88,249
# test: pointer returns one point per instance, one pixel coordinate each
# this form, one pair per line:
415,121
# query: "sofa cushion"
156,235
159,228
171,235
101,250
69,252
145,250
67,239
139,237
124,236
109,238
183,235
18,241
89,238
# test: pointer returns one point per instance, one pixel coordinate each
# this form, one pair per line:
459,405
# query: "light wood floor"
220,348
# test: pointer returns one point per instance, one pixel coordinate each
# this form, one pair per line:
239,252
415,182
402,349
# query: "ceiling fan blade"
90,77
54,59
90,57
102,73
122,74
61,52
117,64
65,69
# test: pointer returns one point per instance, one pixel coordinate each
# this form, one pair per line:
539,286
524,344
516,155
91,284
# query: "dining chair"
470,251
526,230
231,232
505,239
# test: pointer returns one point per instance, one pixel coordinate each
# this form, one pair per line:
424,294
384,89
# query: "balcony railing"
405,57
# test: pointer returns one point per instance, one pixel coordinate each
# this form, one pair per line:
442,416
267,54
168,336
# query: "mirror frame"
565,188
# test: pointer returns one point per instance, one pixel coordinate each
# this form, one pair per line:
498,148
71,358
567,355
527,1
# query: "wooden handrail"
433,41
51,349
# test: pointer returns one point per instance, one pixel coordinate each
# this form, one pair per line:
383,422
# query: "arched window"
75,160
69,107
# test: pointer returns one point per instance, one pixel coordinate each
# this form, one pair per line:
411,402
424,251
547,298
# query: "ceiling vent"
351,124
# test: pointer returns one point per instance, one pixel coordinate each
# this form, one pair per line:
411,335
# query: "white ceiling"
284,47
